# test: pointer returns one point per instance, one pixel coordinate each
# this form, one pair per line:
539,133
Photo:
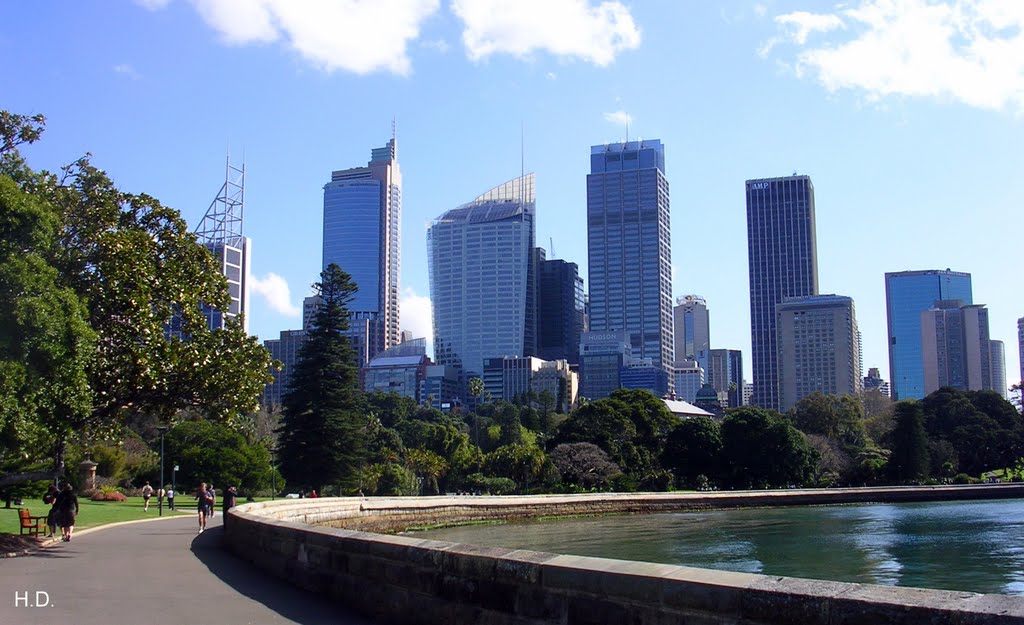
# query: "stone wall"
329,545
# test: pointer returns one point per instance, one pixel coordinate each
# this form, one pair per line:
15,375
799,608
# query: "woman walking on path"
67,510
205,508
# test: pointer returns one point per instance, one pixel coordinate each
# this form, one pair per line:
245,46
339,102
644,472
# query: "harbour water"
975,546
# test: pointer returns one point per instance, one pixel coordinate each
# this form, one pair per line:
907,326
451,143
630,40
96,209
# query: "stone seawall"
332,545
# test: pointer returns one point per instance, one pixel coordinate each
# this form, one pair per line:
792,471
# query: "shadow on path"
276,594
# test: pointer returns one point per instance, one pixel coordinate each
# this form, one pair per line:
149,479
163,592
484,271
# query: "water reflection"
975,546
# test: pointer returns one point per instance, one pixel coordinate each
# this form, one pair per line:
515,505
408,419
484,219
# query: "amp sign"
758,186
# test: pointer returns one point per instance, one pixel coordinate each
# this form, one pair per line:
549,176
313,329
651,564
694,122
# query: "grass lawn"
93,513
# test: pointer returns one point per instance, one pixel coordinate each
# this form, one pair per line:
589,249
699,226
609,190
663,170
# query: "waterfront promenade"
154,572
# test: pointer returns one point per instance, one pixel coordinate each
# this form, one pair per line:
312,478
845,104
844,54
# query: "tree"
761,449
428,467
119,265
323,426
584,464
909,459
476,389
602,423
207,451
694,449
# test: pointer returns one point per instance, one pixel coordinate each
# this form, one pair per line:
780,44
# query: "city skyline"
890,189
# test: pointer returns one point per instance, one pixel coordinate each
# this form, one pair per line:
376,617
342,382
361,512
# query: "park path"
153,572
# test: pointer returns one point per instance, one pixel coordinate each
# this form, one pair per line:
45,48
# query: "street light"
160,500
174,484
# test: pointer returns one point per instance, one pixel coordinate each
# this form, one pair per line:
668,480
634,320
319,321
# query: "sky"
908,115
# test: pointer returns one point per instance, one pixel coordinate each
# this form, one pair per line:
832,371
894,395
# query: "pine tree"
323,423
909,459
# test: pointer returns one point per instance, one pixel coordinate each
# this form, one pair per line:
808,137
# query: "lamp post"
174,483
160,500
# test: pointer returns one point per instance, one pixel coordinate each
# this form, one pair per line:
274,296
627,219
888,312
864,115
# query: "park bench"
34,524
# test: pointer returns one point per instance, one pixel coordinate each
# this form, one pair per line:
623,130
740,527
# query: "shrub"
962,478
108,495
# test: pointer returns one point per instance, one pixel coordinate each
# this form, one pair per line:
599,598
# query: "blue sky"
908,115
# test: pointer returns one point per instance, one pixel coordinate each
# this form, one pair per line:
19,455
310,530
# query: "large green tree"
761,449
909,459
324,421
215,453
693,449
107,270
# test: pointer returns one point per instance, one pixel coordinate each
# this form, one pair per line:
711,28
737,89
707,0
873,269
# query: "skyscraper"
1020,346
818,349
783,259
692,330
955,347
482,278
560,318
362,235
629,247
907,295
998,355
726,375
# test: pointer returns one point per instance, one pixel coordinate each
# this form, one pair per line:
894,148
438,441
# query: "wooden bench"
34,524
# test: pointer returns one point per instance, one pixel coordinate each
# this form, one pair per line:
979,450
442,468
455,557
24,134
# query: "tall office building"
692,330
560,318
629,247
362,235
483,278
907,295
997,352
726,375
783,260
602,358
286,349
1020,346
874,382
818,351
689,378
955,347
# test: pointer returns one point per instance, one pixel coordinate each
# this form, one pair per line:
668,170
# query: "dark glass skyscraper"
783,257
362,235
560,316
907,295
629,247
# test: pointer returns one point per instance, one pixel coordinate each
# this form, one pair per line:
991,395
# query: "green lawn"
93,513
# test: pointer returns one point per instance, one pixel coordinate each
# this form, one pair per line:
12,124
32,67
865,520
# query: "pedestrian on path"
205,508
170,498
67,510
213,500
147,492
51,498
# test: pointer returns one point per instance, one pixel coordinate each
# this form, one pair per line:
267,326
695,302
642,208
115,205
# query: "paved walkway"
153,572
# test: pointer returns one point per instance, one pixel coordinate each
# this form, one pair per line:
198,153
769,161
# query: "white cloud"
275,291
564,28
127,70
619,118
439,45
359,36
968,50
416,316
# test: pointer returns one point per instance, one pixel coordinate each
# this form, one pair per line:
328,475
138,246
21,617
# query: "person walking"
51,498
213,500
170,498
67,510
205,507
147,492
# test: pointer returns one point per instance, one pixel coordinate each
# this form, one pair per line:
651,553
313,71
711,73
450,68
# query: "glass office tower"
629,247
362,235
560,309
783,259
482,278
692,328
907,295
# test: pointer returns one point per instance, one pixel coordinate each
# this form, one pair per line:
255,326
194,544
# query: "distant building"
482,269
692,329
748,393
399,369
511,378
874,382
707,399
629,247
783,261
907,295
561,315
689,378
818,351
362,235
286,349
685,410
602,357
642,373
955,347
726,375
998,354
440,387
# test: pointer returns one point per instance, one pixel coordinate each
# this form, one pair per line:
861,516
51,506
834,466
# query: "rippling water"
974,546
